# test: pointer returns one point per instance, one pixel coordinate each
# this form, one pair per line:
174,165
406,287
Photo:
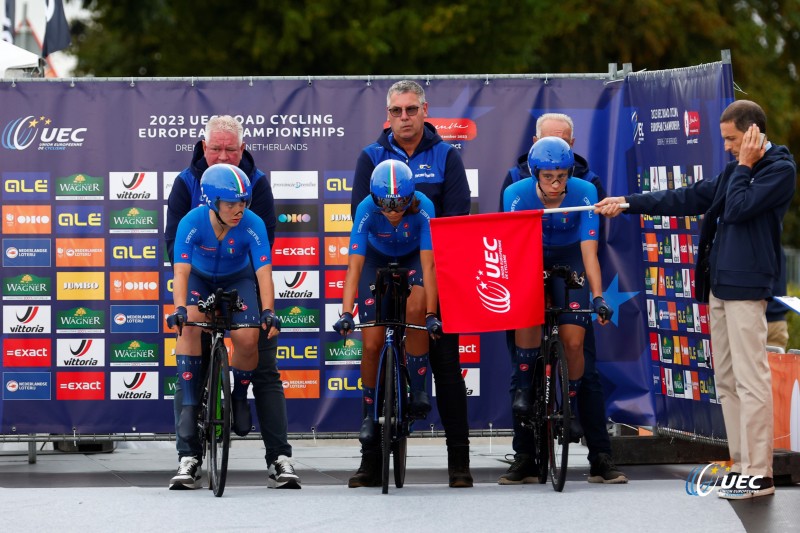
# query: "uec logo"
19,134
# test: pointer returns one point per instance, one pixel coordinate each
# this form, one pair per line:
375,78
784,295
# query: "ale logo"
80,187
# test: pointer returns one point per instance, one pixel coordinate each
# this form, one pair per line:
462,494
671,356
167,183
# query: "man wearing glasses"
439,174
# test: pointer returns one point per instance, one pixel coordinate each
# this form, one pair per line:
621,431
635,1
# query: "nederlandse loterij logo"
702,480
494,295
80,187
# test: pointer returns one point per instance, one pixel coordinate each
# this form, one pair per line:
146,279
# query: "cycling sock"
523,366
189,376
417,371
368,396
241,380
574,386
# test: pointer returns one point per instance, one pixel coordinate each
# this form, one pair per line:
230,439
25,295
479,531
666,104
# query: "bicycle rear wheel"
400,447
558,414
389,413
219,409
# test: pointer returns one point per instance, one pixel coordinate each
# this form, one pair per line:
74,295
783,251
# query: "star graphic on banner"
459,108
615,299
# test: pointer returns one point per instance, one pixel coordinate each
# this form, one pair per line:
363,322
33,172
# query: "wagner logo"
300,383
26,319
294,185
81,219
134,385
81,352
81,320
469,349
80,286
297,284
133,186
336,250
295,251
29,186
494,295
80,187
299,319
134,252
345,351
80,385
134,353
338,184
133,220
26,287
338,218
27,352
29,219
133,285
21,133
80,252
334,284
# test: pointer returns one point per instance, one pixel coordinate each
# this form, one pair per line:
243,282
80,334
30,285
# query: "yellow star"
33,123
41,118
727,468
714,470
47,122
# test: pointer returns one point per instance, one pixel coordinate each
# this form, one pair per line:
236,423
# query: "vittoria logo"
296,284
133,185
26,319
80,352
134,385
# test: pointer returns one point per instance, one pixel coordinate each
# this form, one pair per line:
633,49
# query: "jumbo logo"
81,286
29,219
26,186
338,218
22,132
80,252
85,219
134,252
134,285
133,185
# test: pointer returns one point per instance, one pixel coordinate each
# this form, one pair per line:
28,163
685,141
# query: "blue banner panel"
87,170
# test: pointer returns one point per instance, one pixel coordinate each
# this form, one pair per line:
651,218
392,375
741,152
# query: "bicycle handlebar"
390,323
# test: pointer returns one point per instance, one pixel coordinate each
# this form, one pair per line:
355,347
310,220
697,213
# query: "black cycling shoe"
367,434
521,406
242,419
187,423
419,405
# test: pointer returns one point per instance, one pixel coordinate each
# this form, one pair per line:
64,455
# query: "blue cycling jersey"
558,229
412,234
197,244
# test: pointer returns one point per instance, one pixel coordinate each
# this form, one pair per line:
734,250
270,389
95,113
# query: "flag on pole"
7,17
56,32
489,271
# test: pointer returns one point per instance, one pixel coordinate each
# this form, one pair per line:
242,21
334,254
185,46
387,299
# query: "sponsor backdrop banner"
86,171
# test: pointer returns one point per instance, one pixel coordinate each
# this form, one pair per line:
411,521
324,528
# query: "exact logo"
80,385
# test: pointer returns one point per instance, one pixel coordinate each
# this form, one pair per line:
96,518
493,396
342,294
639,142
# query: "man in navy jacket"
738,264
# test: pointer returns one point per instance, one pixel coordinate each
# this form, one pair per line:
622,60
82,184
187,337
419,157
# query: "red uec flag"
489,271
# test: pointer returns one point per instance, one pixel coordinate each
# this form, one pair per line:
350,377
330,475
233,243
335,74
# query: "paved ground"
126,490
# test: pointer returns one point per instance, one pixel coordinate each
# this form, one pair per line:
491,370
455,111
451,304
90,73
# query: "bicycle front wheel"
400,448
558,414
539,420
219,408
389,413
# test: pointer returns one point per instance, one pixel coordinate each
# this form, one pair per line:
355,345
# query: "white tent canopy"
18,60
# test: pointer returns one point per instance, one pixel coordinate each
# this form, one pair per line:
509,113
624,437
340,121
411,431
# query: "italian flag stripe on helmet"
393,180
240,188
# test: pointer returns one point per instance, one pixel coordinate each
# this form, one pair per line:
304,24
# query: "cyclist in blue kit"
568,238
392,224
221,245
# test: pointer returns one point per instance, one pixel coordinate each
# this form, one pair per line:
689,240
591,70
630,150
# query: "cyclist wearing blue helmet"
221,245
568,238
392,224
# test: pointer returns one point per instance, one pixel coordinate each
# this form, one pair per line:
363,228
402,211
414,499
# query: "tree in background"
357,37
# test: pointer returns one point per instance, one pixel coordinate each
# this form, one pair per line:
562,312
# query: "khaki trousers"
744,382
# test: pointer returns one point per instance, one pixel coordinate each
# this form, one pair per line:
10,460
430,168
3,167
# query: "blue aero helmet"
550,153
392,185
225,183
